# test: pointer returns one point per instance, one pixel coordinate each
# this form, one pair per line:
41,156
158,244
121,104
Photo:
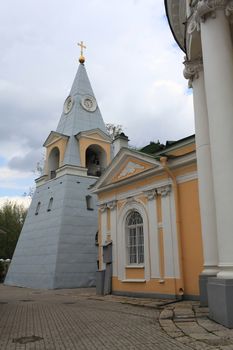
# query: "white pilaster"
103,210
194,72
218,71
170,245
113,219
153,234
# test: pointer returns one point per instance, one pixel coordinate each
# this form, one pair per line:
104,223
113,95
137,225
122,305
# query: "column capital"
229,10
164,190
103,207
112,205
206,8
151,194
192,69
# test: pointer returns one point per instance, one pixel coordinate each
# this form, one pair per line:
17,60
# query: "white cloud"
25,201
134,67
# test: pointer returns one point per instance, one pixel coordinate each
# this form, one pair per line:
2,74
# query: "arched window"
135,238
53,162
95,160
50,204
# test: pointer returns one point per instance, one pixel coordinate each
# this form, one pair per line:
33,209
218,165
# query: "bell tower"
56,248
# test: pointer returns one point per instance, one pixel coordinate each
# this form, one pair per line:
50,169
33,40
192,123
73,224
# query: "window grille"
135,238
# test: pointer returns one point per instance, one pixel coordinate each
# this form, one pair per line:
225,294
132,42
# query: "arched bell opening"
53,162
95,160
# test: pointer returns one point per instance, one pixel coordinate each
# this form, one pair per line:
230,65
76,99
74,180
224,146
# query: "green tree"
12,216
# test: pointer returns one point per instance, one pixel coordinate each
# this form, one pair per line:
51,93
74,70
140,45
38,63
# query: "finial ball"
81,59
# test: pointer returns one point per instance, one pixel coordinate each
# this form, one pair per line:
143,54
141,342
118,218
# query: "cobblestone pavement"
188,323
77,319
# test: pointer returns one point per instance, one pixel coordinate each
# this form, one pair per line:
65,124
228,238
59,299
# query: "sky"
134,65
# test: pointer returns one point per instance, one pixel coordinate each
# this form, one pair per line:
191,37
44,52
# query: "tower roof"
81,111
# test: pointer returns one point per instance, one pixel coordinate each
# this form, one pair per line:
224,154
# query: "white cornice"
119,159
173,164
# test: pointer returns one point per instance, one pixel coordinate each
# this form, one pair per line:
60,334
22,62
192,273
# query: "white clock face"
89,103
68,104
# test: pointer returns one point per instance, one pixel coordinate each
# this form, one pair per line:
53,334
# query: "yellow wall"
191,239
170,286
60,143
84,143
136,184
134,273
190,235
182,150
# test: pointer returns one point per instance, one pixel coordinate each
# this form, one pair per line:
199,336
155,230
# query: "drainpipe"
163,162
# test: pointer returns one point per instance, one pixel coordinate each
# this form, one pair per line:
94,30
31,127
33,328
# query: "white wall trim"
122,256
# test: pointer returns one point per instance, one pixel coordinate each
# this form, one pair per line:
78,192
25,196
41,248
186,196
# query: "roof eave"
181,45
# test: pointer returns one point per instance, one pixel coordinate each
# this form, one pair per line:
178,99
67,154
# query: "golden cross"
82,47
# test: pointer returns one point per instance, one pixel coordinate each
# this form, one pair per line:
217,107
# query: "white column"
171,260
218,70
194,72
153,234
113,219
103,219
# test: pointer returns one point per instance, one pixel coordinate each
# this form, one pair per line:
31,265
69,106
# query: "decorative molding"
130,200
164,190
192,69
130,168
112,205
193,23
160,225
103,207
229,10
206,8
151,194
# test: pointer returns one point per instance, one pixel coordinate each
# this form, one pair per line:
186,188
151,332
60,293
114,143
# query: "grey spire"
81,112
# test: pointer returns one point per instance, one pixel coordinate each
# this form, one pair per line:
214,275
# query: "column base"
220,299
203,281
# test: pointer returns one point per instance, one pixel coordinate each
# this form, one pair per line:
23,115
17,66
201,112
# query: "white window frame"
135,242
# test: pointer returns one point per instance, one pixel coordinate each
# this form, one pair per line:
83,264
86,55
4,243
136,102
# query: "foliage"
12,216
153,147
113,130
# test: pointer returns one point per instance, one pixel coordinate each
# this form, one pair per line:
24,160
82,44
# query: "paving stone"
210,325
166,314
183,312
191,327
203,336
65,320
226,333
198,345
184,339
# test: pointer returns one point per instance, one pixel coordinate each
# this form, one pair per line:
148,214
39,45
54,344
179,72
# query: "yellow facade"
84,143
61,144
167,201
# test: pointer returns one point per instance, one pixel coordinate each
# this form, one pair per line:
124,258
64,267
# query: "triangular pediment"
130,167
128,164
94,134
54,136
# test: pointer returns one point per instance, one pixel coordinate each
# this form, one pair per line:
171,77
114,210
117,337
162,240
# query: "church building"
56,248
149,214
204,30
